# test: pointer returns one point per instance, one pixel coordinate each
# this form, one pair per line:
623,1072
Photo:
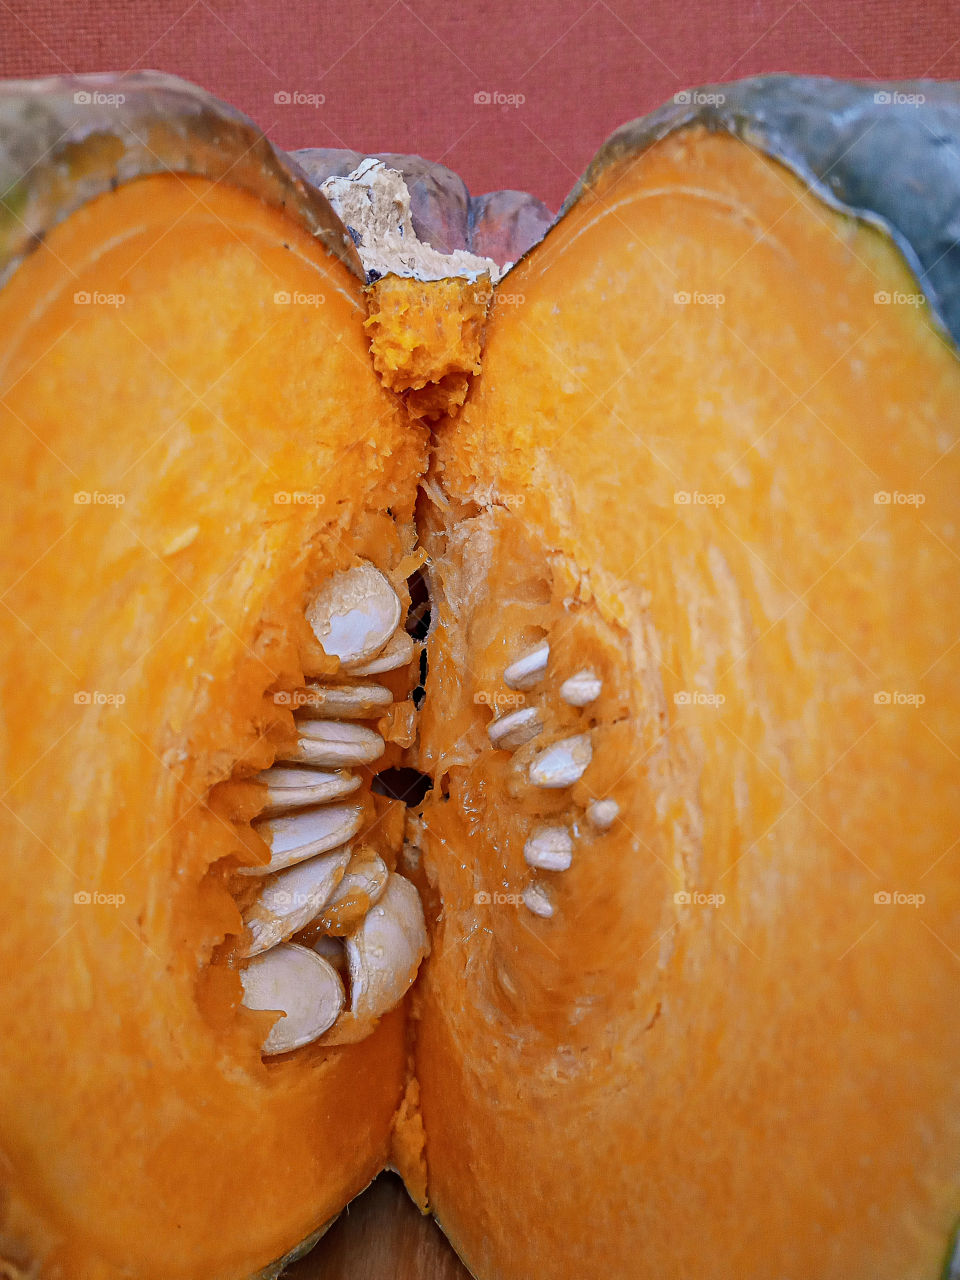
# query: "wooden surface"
381,1236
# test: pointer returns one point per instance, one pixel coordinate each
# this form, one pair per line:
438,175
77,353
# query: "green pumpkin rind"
68,139
885,152
951,1263
276,1269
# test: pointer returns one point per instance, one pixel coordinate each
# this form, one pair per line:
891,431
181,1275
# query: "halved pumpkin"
693,911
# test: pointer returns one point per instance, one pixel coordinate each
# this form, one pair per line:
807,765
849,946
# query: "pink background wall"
399,76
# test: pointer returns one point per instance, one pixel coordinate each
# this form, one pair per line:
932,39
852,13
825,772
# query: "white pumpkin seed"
303,986
537,900
549,849
355,613
601,814
513,730
562,764
303,835
343,701
384,952
581,689
291,899
332,950
295,788
529,668
335,744
367,873
397,652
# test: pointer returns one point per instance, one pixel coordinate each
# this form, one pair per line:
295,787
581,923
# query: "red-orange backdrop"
411,75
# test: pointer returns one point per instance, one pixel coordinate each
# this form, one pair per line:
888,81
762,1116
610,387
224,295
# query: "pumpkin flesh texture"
639,1085
140,1129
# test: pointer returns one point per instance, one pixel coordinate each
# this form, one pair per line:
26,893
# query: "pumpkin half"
643,557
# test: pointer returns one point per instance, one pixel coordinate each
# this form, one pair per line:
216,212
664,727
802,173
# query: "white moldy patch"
374,204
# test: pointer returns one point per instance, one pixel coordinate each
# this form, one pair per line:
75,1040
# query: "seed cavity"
291,899
363,925
418,616
581,689
549,849
302,985
529,669
513,730
537,900
402,783
420,692
601,814
355,613
563,763
303,835
296,788
335,743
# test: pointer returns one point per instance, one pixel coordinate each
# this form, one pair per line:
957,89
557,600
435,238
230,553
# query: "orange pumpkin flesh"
639,1085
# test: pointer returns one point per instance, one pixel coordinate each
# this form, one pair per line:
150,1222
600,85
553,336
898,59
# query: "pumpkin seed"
303,835
537,900
355,613
529,668
582,688
295,788
343,701
602,814
302,985
549,849
355,617
397,652
332,951
334,743
513,730
384,952
562,764
367,873
292,899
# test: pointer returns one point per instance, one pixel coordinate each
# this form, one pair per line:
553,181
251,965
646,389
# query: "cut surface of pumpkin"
726,983
645,569
127,424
